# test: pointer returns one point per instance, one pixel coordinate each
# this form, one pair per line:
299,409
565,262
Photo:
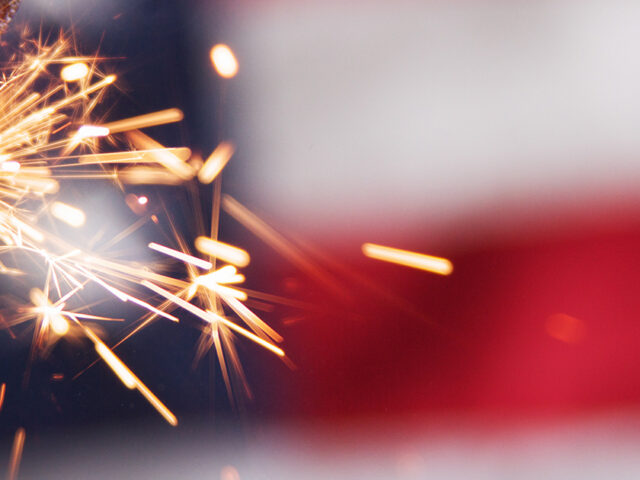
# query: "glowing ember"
224,61
74,72
420,261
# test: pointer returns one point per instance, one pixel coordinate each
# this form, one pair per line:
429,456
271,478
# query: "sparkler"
47,142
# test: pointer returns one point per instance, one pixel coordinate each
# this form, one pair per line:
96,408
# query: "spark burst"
48,142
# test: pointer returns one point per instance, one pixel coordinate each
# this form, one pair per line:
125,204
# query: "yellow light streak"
255,322
208,282
224,61
142,175
278,242
162,155
161,117
116,365
181,256
223,251
16,454
89,131
438,265
224,274
136,156
236,328
26,229
216,162
211,317
128,378
70,215
3,390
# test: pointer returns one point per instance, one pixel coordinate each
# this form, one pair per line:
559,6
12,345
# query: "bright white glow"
223,251
88,131
74,72
70,215
10,166
224,61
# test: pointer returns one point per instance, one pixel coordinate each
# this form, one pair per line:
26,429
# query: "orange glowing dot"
565,328
224,61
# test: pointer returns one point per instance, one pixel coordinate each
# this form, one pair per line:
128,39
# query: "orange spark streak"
128,378
211,317
438,265
223,251
216,162
198,262
3,390
162,155
16,454
161,117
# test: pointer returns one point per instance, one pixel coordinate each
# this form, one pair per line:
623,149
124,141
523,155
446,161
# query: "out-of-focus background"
501,135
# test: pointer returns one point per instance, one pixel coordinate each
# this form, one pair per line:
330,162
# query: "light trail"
170,115
3,391
216,162
438,265
223,251
181,256
16,454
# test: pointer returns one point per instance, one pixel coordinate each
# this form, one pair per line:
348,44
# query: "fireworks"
49,140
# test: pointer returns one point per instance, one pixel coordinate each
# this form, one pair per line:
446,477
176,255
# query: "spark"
68,214
129,379
216,162
74,72
224,61
161,155
181,256
3,390
438,265
16,454
48,141
161,117
223,251
90,131
211,317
